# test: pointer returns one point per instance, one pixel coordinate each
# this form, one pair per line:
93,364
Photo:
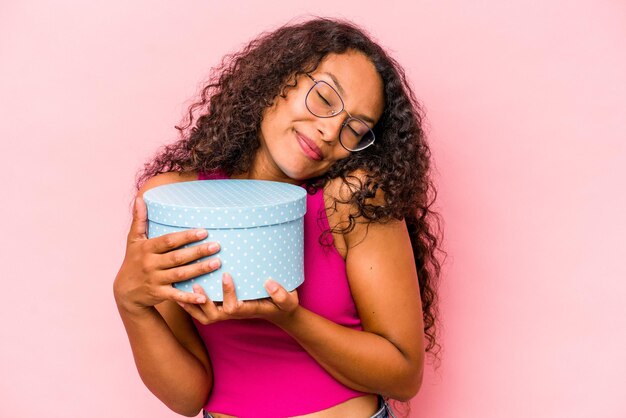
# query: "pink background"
526,107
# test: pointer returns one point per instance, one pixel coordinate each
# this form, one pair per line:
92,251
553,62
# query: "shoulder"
342,189
167,178
342,208
380,266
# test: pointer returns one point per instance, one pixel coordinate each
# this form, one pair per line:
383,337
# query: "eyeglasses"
323,101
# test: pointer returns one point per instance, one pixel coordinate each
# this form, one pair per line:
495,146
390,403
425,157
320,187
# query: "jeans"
384,410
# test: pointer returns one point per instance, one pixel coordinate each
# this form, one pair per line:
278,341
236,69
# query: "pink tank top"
259,370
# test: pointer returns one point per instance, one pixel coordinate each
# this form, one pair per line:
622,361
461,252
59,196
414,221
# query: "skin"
381,272
280,158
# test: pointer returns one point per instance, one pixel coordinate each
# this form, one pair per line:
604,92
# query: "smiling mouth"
309,147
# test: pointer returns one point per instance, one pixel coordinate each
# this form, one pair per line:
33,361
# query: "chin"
298,167
299,174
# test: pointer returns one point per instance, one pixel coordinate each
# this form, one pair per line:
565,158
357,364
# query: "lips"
309,147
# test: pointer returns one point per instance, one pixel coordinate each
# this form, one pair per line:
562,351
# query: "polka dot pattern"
273,247
225,203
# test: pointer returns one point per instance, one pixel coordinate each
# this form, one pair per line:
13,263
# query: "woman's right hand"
150,266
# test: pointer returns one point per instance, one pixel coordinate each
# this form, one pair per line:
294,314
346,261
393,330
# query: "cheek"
293,107
341,153
278,117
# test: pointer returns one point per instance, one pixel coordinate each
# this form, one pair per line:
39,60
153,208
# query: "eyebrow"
343,93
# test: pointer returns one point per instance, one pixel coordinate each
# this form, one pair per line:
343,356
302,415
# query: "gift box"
258,224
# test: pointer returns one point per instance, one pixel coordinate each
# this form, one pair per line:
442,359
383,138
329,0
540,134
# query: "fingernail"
226,279
213,247
271,286
214,263
201,233
201,299
182,305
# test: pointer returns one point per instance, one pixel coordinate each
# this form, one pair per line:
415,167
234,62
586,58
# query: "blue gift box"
258,224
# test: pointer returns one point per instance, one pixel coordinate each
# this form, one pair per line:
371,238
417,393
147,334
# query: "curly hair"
220,132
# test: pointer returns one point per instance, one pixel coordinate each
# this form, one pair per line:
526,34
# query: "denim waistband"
384,410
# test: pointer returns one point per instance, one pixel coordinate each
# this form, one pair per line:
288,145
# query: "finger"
169,242
195,312
171,293
231,303
187,255
138,226
285,301
209,308
189,271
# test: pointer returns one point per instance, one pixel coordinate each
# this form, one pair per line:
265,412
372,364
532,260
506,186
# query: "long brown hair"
221,128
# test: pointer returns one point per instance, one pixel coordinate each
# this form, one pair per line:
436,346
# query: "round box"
258,224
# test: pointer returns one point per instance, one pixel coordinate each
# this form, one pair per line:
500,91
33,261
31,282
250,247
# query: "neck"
263,169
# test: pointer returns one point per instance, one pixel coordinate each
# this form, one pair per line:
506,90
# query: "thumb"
139,225
286,301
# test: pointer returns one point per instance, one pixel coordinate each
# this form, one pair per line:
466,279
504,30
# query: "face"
295,144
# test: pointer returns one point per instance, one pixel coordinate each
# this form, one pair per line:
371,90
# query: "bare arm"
173,373
170,357
387,356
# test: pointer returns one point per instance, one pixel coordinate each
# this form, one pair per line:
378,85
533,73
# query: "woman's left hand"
278,306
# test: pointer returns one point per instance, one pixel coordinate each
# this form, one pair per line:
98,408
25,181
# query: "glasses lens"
323,101
356,135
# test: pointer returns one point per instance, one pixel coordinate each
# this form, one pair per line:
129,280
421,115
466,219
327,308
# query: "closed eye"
322,97
353,131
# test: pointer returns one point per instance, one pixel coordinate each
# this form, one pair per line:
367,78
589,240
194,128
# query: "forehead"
361,84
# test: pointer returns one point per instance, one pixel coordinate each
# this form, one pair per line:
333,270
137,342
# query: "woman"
320,105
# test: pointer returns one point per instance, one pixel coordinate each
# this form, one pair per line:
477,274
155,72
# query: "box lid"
225,203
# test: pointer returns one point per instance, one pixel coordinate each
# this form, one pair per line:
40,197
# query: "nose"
330,128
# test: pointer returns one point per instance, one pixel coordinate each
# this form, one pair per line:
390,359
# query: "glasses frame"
343,109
